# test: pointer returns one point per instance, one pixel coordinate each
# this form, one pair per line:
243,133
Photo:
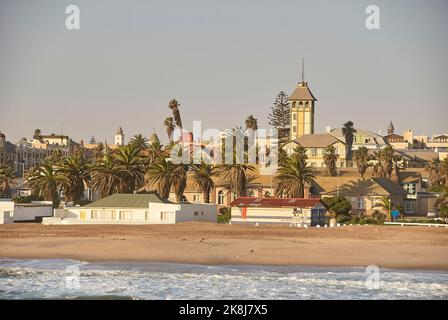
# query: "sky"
222,60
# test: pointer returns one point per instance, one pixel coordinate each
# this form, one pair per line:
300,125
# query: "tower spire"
303,69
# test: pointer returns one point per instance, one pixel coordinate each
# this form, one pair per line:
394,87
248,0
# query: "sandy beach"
207,243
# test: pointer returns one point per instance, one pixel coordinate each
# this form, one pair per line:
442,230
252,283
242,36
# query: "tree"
292,177
139,141
106,176
330,158
179,180
174,106
131,167
386,204
169,126
155,151
280,116
434,168
74,169
45,180
348,132
202,175
6,178
338,204
98,152
251,123
160,174
92,139
37,134
362,158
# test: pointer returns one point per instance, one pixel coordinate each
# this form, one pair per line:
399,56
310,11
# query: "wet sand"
208,243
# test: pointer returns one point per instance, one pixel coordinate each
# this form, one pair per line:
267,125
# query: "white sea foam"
45,279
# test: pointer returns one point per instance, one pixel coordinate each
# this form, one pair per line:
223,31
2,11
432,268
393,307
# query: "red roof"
275,202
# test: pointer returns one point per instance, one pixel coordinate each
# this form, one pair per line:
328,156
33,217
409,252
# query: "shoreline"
391,247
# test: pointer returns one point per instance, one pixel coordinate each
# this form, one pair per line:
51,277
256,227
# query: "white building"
134,209
119,137
24,212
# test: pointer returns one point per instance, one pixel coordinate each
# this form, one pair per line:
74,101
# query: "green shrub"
224,216
26,199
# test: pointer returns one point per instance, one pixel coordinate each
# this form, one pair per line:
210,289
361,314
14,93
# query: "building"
8,155
119,137
302,103
24,212
362,138
286,211
363,194
134,209
315,145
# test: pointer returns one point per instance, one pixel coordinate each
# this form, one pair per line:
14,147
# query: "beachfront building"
134,209
310,212
24,212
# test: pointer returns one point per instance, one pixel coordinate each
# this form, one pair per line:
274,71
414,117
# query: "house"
134,209
363,194
252,210
362,138
315,145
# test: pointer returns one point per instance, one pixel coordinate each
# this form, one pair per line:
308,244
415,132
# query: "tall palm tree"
348,131
362,158
251,123
174,106
292,177
139,141
386,204
300,153
76,170
131,167
169,126
202,175
98,152
330,158
160,175
106,176
46,179
179,180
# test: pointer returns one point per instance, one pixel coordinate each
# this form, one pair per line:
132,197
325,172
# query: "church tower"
119,137
302,109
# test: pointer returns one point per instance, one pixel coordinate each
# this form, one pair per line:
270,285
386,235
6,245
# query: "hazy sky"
222,60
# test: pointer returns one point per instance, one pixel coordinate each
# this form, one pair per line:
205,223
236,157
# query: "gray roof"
8,147
358,187
377,139
127,201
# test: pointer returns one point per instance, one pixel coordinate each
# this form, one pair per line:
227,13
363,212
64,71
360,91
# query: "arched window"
220,197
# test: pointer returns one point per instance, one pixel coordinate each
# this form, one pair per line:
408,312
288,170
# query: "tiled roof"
302,92
126,201
275,202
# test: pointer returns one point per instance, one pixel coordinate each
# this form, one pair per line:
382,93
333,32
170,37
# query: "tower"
390,128
302,109
119,137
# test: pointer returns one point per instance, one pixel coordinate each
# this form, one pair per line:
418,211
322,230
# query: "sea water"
69,279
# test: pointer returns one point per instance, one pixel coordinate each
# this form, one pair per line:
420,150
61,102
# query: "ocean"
69,279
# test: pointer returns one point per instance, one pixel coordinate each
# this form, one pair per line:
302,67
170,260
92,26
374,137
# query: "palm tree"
348,131
98,152
300,153
434,171
202,175
139,141
174,106
131,167
160,174
292,177
169,125
6,178
362,158
179,180
76,170
386,204
155,151
330,158
46,179
251,123
444,172
106,176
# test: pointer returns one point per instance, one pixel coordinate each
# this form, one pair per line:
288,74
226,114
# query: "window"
125,215
267,194
196,213
294,129
409,207
361,204
294,116
195,198
220,197
147,216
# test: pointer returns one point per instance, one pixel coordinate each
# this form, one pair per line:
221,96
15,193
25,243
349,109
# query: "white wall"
6,212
